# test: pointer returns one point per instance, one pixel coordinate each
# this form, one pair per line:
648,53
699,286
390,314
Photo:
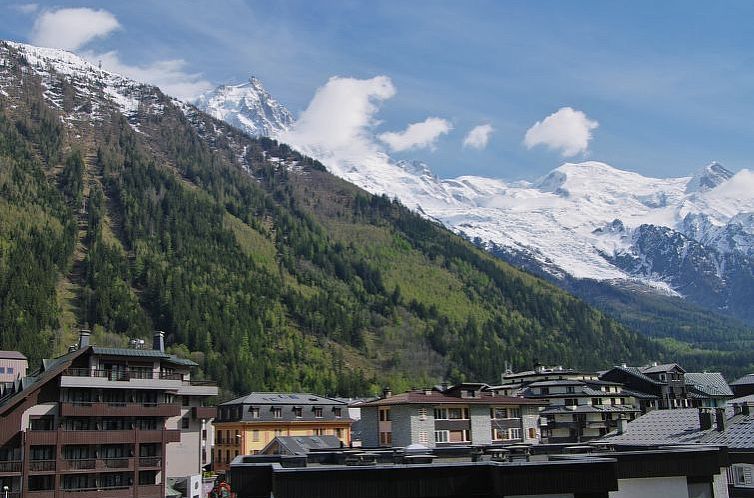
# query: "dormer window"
570,389
297,412
277,412
317,412
254,411
337,411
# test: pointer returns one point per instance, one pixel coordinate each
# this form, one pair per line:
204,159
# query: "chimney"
720,419
705,419
445,385
622,423
387,392
158,343
84,339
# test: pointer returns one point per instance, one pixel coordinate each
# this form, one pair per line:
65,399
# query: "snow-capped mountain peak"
708,177
247,106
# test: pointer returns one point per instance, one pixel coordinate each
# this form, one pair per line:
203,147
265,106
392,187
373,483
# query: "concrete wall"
400,415
720,484
370,436
665,487
530,420
183,459
481,427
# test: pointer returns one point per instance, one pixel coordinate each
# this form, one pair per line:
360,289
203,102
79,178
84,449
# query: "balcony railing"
61,436
102,491
121,375
79,464
205,412
42,465
117,409
154,461
8,467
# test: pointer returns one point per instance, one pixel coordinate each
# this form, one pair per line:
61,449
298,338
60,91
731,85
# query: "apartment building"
245,425
101,422
580,407
463,414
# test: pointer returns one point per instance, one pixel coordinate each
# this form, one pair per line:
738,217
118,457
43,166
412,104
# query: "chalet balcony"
150,462
130,379
38,466
110,492
45,493
99,409
97,465
10,467
97,437
205,412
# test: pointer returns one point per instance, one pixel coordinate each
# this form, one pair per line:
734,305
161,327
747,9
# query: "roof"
552,410
637,394
297,399
147,353
681,426
636,372
300,445
708,384
662,368
11,355
437,398
745,380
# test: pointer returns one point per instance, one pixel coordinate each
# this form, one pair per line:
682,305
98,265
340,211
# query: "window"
570,389
317,412
9,370
532,433
386,438
277,412
742,475
571,402
184,423
441,436
219,436
514,433
204,434
186,400
423,413
297,412
502,413
337,411
254,411
219,456
544,390
319,432
2,370
255,435
339,432
237,439
612,401
384,414
451,413
596,401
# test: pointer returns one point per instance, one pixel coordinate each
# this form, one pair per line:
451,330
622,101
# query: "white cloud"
169,75
71,29
567,130
338,121
478,137
26,8
417,135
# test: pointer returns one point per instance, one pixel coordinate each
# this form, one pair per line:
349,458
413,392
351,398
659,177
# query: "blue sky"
670,84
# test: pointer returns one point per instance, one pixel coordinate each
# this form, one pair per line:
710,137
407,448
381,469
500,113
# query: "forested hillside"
257,263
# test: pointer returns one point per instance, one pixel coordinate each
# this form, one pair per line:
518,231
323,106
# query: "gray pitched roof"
12,355
746,379
552,410
300,445
636,372
681,426
709,384
283,399
147,353
662,368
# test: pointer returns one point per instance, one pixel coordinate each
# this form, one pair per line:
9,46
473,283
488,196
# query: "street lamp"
5,491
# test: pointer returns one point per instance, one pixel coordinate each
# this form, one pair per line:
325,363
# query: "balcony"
85,409
44,493
36,466
96,437
205,412
150,462
109,492
10,467
198,388
97,465
129,379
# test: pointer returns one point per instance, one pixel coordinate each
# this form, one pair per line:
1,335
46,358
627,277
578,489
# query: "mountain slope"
128,211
